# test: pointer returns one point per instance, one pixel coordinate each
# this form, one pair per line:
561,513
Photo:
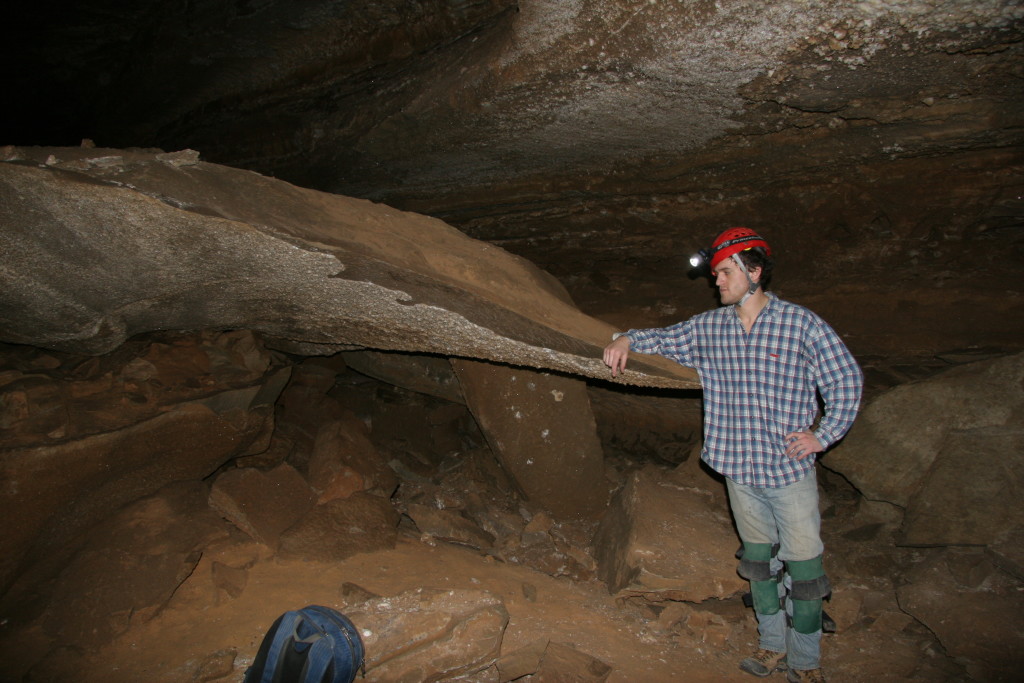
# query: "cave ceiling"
878,144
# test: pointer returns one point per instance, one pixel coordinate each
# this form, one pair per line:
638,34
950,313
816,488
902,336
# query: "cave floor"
203,629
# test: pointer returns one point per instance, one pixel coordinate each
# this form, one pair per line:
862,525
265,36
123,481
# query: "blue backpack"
311,645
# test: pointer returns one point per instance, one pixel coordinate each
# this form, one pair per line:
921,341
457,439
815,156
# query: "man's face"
732,282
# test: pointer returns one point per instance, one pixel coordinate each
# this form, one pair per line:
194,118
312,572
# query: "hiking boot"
764,663
805,676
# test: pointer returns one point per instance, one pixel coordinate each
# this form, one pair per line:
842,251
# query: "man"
762,362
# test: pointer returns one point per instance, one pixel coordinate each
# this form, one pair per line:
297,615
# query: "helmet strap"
751,285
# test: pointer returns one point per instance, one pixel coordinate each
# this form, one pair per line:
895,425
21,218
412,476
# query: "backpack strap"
341,629
284,630
318,660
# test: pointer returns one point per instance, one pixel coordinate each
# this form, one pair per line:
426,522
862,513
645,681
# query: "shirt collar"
769,308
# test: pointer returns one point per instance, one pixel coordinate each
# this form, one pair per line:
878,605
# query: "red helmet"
733,241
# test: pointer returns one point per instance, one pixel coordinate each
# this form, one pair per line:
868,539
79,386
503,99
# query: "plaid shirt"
760,386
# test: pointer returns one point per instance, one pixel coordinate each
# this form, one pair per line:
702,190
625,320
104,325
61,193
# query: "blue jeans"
788,516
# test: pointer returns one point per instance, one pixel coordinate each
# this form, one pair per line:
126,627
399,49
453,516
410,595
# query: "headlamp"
701,259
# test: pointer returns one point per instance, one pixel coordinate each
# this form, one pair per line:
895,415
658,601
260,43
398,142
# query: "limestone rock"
660,427
541,551
566,663
428,635
449,525
231,580
56,491
426,374
972,494
84,436
523,661
972,606
1007,552
202,246
341,446
305,406
341,528
217,665
918,444
131,565
667,541
542,430
262,504
889,452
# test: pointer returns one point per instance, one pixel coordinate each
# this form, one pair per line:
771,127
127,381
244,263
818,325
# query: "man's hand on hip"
801,444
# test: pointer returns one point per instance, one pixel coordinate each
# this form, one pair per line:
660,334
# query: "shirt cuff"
620,334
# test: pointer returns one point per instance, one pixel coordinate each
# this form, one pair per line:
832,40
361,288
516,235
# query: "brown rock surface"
341,528
541,429
54,492
431,635
343,444
262,504
426,374
449,525
917,444
566,663
946,512
667,541
347,272
972,606
130,566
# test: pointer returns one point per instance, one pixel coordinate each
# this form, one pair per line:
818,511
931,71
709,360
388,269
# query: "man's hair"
756,257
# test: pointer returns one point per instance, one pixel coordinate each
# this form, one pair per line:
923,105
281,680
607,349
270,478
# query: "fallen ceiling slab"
102,244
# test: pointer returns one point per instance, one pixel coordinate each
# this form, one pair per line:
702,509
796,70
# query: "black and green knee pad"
809,587
755,566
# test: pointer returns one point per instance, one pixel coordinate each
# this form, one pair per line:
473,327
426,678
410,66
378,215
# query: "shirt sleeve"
674,342
840,382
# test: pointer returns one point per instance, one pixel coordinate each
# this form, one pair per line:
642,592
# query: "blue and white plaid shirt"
760,386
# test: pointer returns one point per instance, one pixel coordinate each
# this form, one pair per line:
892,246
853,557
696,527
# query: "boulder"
659,427
55,492
86,435
131,564
541,429
972,494
262,504
543,552
341,528
341,448
426,635
566,663
949,450
304,406
522,662
449,525
889,453
972,606
667,541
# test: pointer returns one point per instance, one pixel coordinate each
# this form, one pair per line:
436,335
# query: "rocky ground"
412,529
210,629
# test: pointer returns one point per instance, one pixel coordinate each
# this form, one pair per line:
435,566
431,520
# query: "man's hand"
800,444
616,353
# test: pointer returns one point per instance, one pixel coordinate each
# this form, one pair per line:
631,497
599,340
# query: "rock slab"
542,430
427,635
667,541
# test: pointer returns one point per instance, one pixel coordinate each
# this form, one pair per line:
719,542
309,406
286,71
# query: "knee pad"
755,566
809,587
